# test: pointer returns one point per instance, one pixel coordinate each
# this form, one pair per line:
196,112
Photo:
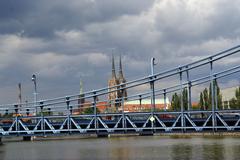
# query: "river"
124,148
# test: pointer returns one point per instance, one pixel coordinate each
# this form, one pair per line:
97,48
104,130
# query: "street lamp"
34,79
152,65
152,119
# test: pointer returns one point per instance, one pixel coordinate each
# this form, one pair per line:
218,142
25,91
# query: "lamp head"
33,77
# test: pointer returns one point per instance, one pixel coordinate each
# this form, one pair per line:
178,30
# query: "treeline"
176,100
234,103
205,102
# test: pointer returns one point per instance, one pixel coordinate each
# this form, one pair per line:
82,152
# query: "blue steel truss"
137,122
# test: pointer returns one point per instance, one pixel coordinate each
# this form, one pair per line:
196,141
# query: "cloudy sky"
64,41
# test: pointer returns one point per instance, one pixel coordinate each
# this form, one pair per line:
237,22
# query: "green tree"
175,103
205,99
185,98
90,110
201,102
219,95
234,103
176,100
45,112
9,115
205,102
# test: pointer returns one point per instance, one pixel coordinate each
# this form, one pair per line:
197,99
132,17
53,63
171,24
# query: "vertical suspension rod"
212,95
42,118
189,95
181,96
68,114
122,103
216,93
152,79
95,111
165,97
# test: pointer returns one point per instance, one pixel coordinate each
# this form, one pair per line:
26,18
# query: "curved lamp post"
34,79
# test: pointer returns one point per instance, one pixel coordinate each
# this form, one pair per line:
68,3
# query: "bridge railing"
147,79
68,104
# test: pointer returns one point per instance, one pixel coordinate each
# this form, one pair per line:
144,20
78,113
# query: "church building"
115,96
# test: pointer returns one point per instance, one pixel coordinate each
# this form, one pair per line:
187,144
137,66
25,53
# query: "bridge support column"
151,81
68,115
27,138
42,118
183,124
216,101
153,104
189,95
123,114
95,112
212,96
216,94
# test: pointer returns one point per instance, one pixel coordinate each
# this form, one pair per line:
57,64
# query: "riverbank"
92,136
202,135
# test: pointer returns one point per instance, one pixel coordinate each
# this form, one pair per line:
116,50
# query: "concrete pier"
102,135
27,138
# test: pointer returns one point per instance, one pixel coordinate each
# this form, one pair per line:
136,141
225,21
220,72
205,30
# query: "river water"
124,148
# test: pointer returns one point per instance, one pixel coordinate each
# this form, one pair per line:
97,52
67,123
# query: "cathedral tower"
121,79
112,96
115,97
81,99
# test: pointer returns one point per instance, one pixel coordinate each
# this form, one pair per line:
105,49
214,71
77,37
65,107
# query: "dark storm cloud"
62,41
13,13
12,9
42,18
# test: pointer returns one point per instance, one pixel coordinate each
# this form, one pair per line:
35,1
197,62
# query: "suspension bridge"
61,119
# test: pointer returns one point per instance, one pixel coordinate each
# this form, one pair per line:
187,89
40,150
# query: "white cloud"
97,59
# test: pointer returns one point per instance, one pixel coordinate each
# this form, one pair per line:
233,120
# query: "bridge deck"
119,124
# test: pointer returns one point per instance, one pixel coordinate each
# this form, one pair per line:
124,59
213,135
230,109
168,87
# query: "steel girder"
138,122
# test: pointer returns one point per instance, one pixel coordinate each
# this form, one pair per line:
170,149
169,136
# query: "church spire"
122,80
120,68
81,87
113,68
81,99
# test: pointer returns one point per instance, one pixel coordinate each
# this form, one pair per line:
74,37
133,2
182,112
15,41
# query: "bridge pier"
102,135
146,133
27,138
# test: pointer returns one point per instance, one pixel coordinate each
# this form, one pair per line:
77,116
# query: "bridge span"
56,116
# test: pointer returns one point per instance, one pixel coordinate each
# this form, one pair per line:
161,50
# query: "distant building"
146,105
137,106
115,95
195,105
227,95
82,107
103,107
